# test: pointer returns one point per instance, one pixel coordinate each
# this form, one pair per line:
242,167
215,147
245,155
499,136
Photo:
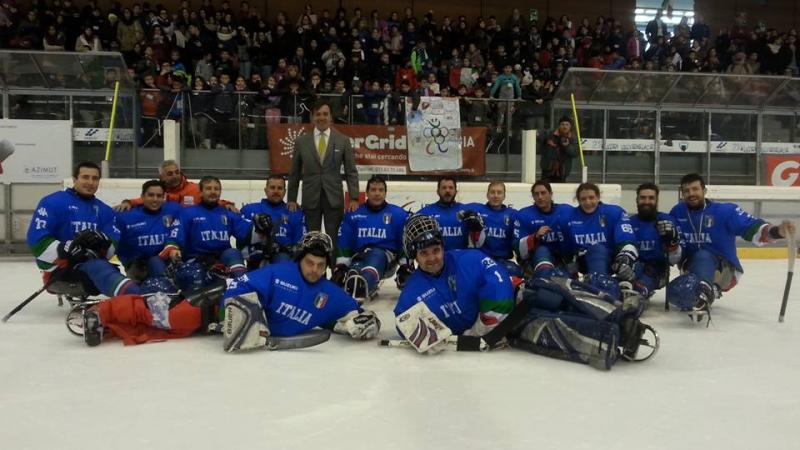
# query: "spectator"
222,110
200,107
88,41
54,40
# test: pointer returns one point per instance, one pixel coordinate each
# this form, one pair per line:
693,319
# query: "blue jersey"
607,225
471,287
449,218
204,231
367,227
531,218
288,227
291,304
144,233
651,249
59,217
498,227
715,227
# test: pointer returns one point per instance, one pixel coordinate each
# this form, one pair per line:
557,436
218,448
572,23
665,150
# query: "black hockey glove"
668,233
403,272
263,224
472,220
623,265
338,274
93,240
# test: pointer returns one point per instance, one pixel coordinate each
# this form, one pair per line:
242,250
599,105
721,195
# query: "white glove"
364,325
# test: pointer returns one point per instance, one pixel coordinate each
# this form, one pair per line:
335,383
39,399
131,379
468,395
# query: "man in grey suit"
317,159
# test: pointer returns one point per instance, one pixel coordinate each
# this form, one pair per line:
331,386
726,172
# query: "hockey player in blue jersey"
288,299
455,221
603,241
288,227
203,232
370,244
143,233
658,239
709,265
454,292
498,227
73,235
541,242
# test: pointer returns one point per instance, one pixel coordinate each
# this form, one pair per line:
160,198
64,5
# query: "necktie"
321,146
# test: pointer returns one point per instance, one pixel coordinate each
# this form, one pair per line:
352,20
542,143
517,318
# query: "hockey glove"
92,240
263,224
75,253
472,220
422,329
623,265
403,272
363,325
668,233
339,273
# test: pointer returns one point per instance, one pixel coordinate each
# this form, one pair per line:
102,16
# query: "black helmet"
318,244
421,231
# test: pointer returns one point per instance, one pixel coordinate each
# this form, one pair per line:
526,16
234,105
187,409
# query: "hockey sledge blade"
649,343
309,339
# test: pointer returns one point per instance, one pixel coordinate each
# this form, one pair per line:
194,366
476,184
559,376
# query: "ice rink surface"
733,385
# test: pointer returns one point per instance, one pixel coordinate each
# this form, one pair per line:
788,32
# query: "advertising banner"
378,149
35,151
782,170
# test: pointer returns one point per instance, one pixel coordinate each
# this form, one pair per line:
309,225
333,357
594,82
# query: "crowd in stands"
367,63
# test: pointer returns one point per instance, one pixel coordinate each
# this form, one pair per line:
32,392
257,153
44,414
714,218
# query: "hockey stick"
454,343
309,339
304,340
792,246
25,302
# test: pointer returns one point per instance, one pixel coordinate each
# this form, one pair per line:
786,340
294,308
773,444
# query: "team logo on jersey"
320,300
167,220
451,282
96,211
224,220
387,218
708,221
602,221
506,220
285,219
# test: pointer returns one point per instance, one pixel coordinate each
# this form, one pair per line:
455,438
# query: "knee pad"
513,269
190,276
163,285
683,290
578,297
605,283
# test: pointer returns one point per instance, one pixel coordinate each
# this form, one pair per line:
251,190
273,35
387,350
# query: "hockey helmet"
318,244
421,231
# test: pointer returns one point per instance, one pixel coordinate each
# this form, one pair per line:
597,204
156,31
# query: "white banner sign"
101,134
717,147
35,151
434,134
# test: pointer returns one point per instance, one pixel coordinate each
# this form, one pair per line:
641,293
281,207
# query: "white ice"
733,385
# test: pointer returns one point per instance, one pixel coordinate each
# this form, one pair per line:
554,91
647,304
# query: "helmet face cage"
420,231
316,240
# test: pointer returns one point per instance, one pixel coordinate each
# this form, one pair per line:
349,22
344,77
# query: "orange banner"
783,170
378,149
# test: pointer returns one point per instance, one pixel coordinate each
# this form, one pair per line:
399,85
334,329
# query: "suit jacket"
323,178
